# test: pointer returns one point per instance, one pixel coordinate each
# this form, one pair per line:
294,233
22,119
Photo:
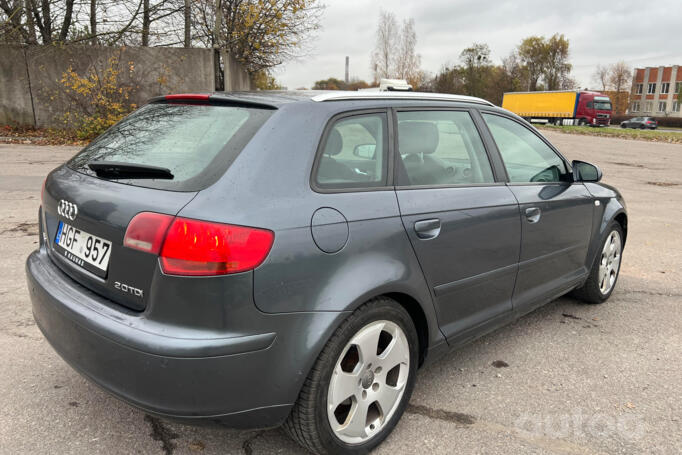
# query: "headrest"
417,137
334,143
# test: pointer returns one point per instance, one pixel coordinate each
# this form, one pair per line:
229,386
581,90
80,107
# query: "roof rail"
342,95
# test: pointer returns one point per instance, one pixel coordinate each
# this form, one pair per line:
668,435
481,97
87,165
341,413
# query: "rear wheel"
604,273
361,383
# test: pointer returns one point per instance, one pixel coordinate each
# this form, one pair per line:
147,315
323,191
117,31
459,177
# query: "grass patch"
672,137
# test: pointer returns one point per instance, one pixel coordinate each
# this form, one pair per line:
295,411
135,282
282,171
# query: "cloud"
642,34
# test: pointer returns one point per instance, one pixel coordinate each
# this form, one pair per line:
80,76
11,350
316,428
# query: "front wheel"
360,384
604,273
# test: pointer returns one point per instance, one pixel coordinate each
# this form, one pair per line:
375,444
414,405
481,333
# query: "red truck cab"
593,108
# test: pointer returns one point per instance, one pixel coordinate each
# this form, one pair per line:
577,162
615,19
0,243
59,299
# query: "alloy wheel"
610,262
368,382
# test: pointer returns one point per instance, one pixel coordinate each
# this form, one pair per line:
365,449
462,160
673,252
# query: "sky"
642,33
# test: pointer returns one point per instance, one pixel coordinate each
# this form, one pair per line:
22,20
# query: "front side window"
354,154
440,148
526,157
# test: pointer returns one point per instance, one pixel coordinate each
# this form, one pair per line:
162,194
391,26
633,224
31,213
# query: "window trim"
323,141
533,130
473,112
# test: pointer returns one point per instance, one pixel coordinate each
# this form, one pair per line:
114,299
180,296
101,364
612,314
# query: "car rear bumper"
238,381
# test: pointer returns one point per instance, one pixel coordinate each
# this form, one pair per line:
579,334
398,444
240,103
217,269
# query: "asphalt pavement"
568,378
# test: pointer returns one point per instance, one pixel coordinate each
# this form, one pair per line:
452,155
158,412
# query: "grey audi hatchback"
266,259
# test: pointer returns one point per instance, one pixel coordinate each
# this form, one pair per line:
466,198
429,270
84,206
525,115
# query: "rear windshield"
197,143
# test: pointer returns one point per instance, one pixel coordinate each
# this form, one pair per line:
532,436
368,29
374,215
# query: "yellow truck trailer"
560,107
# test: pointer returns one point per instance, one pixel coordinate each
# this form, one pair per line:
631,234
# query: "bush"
96,100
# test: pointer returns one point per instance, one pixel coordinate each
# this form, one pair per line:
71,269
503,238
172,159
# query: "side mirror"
585,172
365,151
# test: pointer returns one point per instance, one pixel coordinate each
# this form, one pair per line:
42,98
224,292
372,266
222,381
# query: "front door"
463,225
556,213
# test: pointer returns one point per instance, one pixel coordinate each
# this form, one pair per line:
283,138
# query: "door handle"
533,214
427,229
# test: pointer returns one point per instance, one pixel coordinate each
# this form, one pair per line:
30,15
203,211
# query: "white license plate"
83,248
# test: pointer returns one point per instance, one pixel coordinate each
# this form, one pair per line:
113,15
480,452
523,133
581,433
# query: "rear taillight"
193,247
146,232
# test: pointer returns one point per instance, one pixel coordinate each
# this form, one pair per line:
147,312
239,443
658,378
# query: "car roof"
275,98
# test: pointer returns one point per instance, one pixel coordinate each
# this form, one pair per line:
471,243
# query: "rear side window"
440,148
354,153
197,143
526,157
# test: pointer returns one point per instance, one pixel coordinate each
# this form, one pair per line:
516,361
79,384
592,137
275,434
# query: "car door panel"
555,213
471,264
553,249
466,236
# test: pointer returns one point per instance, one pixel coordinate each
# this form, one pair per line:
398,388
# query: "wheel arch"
622,219
416,312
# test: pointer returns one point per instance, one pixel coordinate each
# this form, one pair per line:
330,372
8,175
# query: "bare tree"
387,46
601,76
620,76
188,23
408,61
93,22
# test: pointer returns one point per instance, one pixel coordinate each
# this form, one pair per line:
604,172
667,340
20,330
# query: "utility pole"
347,65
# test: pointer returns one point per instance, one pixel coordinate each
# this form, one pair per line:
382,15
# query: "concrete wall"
15,92
236,79
31,94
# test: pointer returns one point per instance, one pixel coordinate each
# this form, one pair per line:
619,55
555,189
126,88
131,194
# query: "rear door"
85,212
556,213
463,224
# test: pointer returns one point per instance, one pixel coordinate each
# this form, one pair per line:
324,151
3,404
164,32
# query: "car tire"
641,127
622,125
314,413
606,266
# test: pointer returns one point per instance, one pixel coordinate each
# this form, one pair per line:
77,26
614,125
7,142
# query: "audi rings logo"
67,209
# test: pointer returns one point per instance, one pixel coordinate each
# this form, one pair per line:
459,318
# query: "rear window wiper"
117,170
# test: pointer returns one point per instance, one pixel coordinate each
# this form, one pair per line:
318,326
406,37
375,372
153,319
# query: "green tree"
532,52
556,66
330,84
263,80
476,68
449,80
